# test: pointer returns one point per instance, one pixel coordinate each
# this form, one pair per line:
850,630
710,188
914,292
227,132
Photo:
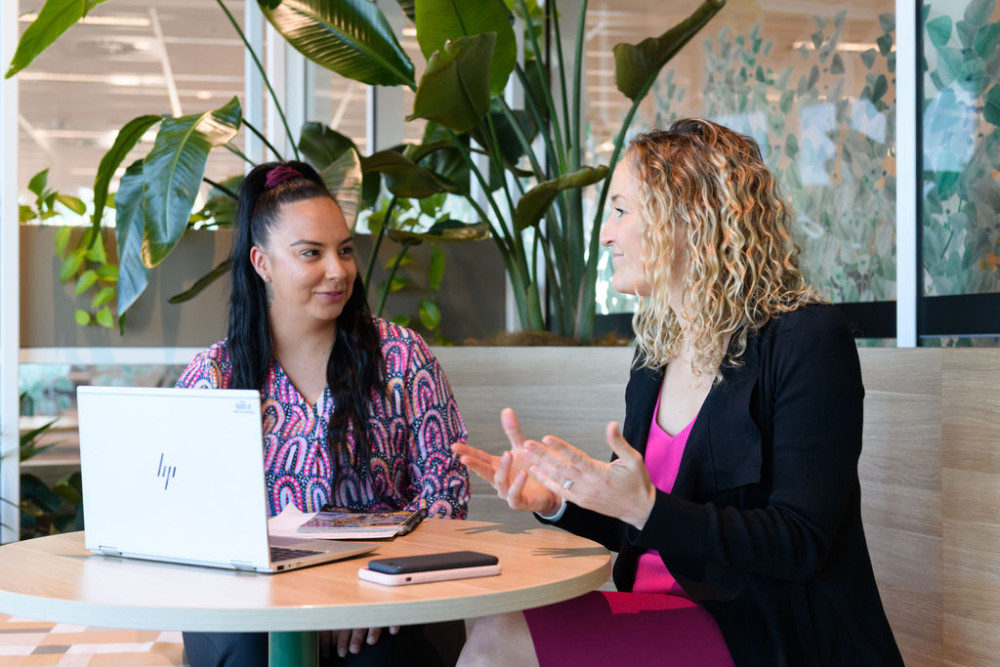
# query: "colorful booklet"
344,524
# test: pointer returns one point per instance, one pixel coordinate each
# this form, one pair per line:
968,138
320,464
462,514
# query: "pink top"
663,459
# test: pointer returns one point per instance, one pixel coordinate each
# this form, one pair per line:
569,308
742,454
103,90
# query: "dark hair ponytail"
353,369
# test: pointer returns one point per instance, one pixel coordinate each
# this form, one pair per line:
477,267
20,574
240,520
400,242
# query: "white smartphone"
430,567
429,575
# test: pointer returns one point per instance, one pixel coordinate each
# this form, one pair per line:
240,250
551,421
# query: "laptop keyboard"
284,553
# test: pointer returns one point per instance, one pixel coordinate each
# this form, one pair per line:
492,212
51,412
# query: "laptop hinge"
243,565
109,551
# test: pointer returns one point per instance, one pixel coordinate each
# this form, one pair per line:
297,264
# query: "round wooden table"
56,579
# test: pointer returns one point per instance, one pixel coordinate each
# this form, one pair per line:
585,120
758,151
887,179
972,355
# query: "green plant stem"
552,118
261,136
384,292
515,267
562,76
506,236
238,153
536,115
263,75
497,158
523,139
220,187
577,117
574,198
377,241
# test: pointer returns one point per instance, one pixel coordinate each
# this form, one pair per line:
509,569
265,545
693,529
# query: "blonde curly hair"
706,187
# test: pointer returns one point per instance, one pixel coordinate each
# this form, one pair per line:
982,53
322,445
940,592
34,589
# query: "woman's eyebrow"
304,242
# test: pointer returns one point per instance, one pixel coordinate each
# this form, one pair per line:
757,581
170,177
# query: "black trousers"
430,645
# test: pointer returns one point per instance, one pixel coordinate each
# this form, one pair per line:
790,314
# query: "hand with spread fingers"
508,474
620,489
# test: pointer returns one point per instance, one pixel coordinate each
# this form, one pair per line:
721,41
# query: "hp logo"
166,472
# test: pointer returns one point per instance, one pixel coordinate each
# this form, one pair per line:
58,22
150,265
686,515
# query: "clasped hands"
538,475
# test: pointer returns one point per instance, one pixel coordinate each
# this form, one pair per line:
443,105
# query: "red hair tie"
280,174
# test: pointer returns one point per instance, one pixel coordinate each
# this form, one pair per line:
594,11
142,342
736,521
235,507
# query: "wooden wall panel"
971,512
900,472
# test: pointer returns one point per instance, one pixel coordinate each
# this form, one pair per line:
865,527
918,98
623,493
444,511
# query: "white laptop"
178,475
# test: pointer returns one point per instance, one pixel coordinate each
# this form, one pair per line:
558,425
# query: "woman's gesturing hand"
621,489
508,474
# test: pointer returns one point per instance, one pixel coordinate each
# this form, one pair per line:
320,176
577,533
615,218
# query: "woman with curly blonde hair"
732,495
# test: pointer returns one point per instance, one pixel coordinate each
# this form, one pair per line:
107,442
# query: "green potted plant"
533,204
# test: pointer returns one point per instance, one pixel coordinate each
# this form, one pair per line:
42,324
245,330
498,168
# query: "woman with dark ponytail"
357,412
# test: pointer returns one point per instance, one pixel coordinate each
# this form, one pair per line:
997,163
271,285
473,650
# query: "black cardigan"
763,526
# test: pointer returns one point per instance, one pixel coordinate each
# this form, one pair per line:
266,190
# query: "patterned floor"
26,642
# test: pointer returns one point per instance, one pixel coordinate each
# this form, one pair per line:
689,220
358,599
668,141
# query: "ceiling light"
126,21
853,47
130,80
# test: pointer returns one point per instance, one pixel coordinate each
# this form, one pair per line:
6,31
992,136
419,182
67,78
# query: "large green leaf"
508,142
172,174
403,177
455,90
532,206
638,65
129,225
441,21
54,18
321,145
349,37
343,178
127,138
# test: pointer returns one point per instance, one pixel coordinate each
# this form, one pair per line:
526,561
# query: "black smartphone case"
443,561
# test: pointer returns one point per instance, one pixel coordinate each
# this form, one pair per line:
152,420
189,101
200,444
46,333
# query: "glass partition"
814,87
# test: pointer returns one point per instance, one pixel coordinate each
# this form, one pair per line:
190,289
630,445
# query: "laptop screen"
173,474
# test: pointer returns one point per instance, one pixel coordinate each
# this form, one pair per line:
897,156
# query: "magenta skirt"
631,629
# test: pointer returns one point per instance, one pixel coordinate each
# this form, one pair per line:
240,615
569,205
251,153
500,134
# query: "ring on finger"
567,485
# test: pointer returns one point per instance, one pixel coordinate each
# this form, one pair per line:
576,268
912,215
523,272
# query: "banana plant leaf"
129,225
343,178
172,174
338,162
440,154
511,148
403,177
126,140
638,65
454,90
321,145
349,37
441,21
532,206
54,18
446,231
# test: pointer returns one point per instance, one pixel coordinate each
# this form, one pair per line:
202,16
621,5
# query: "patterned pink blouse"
413,424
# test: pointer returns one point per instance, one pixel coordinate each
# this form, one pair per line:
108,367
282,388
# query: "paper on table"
286,524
